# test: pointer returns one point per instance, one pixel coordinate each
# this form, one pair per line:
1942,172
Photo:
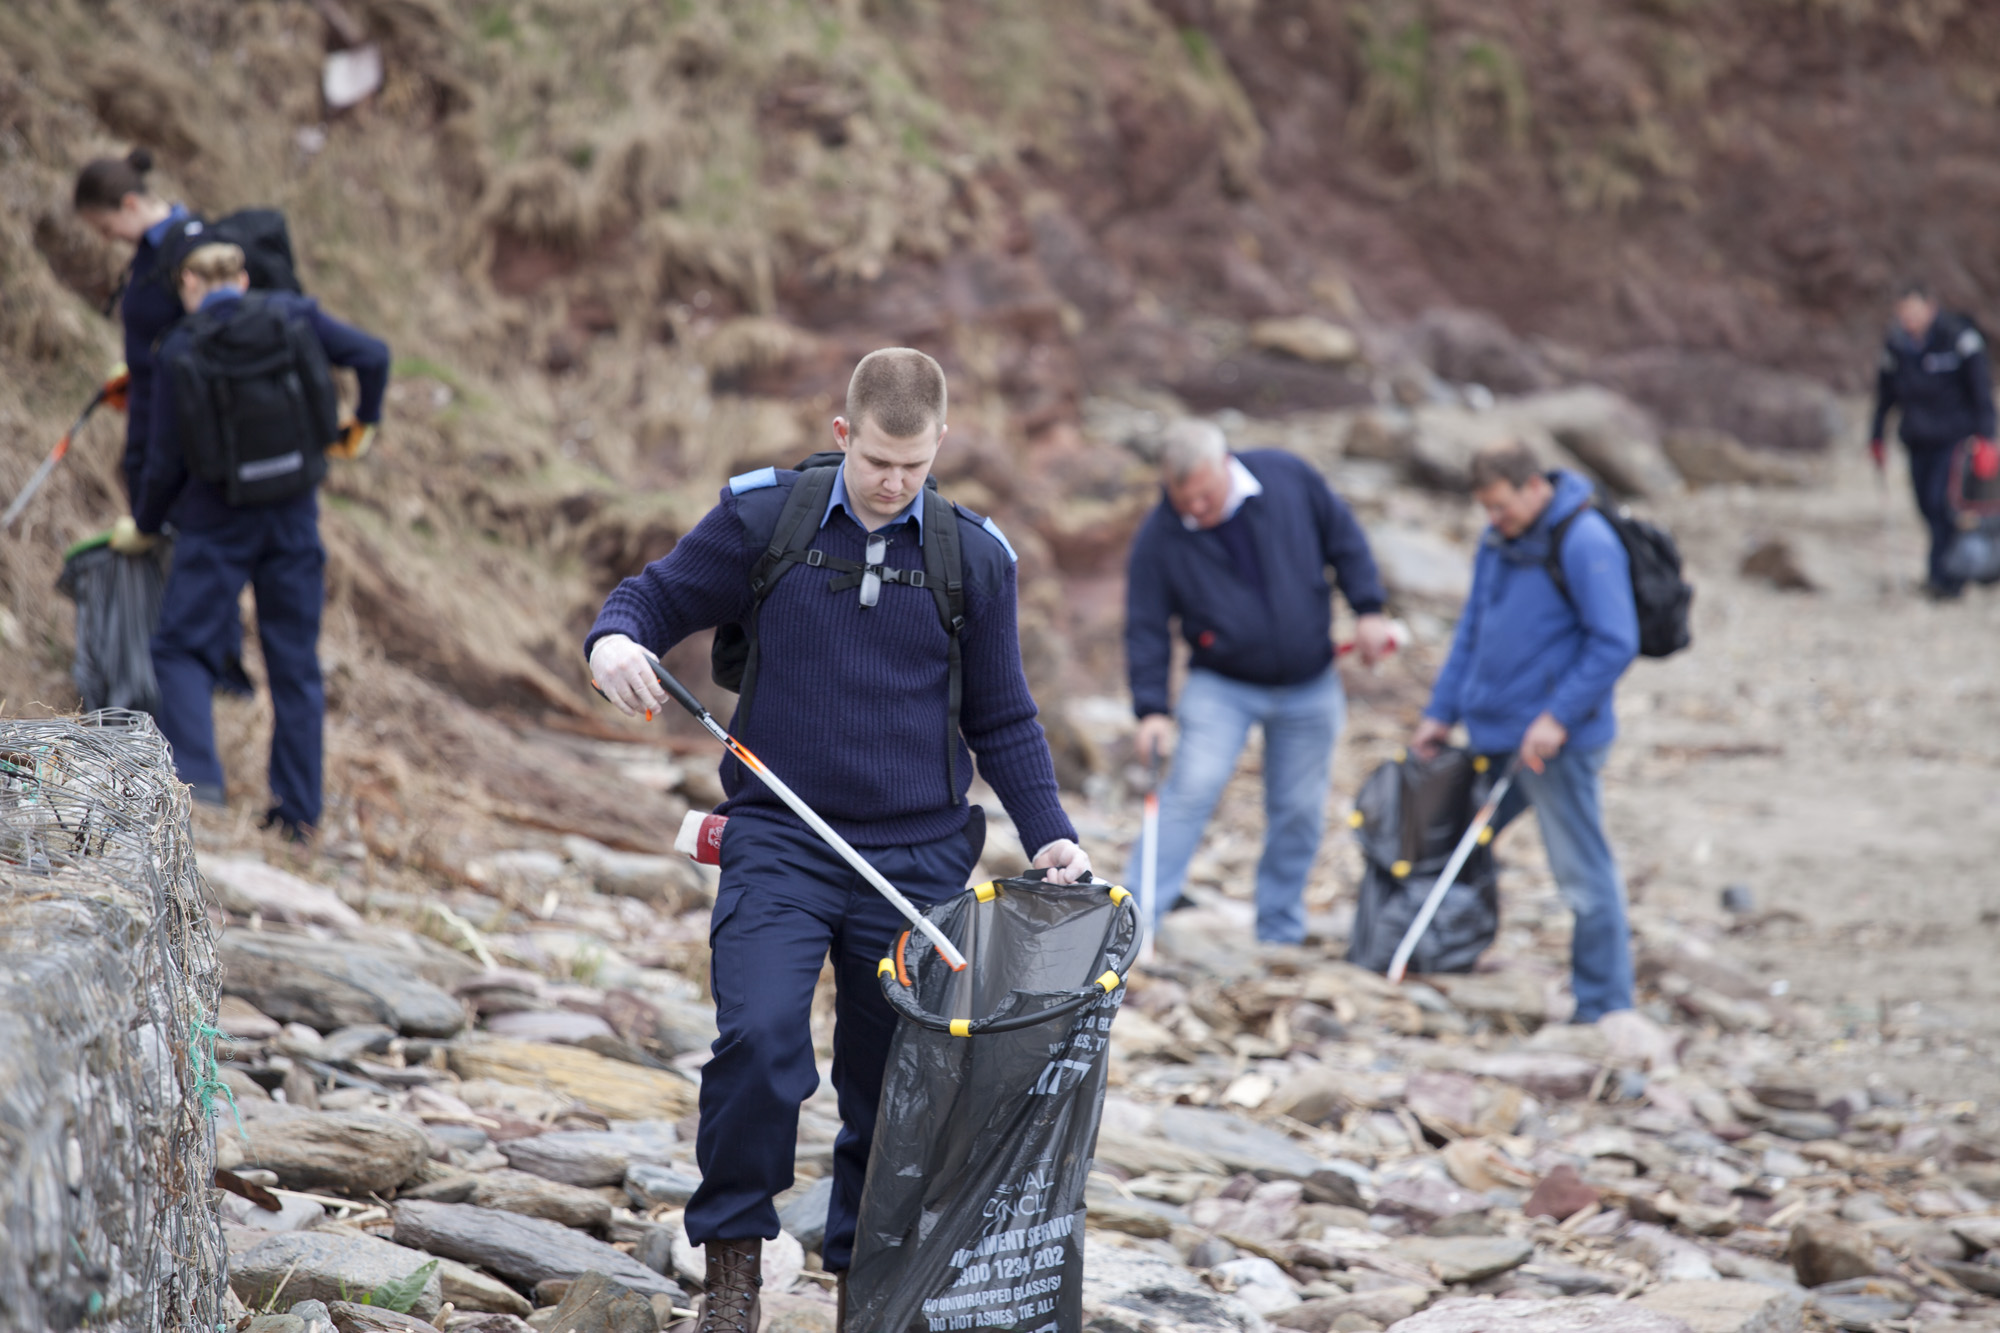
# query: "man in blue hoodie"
1238,551
1531,671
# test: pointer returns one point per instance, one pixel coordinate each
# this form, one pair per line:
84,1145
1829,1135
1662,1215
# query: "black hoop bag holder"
972,1213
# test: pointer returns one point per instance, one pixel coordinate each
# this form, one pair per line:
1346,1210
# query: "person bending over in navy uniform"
853,705
243,415
1934,371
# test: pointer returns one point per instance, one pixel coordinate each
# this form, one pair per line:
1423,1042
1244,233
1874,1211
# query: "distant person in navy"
244,415
1237,553
875,647
1937,375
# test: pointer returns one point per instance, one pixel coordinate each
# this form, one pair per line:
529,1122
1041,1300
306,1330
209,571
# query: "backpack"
256,401
1659,593
260,233
733,655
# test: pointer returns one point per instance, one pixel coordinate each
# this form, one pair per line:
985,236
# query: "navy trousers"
276,550
786,902
1930,478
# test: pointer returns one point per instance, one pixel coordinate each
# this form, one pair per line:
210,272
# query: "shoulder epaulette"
992,529
762,478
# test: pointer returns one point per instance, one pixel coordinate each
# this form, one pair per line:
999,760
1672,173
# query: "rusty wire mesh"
108,984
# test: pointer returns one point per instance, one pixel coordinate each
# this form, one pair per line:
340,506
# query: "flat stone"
595,1303
1805,1126
564,1026
1126,1291
788,1313
668,881
251,888
466,1288
512,1191
1133,1217
1672,1258
1560,1194
1307,338
1239,1144
278,1323
584,1156
1381,1307
1977,1277
328,984
1573,1279
1508,994
350,1317
1426,1199
355,1151
525,1250
294,1213
1981,1232
318,1318
1549,1075
1918,1236
241,1020
1586,1314
326,1266
612,1088
650,1186
804,1216
1727,1306
1823,1250
1860,1312
1463,1258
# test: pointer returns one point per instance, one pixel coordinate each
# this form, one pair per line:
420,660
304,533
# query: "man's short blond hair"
1512,462
216,262
900,388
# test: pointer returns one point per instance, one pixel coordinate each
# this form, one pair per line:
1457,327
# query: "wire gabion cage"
108,990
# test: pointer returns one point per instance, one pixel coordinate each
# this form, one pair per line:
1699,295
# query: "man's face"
1512,509
1915,314
1202,494
885,472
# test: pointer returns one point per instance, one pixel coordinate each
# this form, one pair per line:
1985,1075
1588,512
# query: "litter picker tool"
1475,833
918,921
48,464
1149,860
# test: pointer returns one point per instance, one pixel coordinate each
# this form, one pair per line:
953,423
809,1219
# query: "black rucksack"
260,233
1659,594
255,400
733,654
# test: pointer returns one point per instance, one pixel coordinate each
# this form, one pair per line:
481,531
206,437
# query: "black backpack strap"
1553,562
944,575
798,522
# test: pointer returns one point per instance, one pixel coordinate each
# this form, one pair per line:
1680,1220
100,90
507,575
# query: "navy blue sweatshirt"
852,703
149,307
1942,383
168,492
1276,629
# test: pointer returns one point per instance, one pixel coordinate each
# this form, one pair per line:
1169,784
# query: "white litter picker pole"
1477,832
1149,864
918,921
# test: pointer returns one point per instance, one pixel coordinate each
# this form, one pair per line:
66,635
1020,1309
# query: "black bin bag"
117,606
1409,817
972,1214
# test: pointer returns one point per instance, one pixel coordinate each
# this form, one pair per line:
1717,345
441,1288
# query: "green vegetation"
1437,95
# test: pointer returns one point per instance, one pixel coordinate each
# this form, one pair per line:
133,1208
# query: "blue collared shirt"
219,295
158,231
912,513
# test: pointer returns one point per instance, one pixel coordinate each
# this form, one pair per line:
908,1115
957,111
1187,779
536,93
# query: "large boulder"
1766,409
357,1152
585,1156
1609,433
1472,347
1728,1306
251,888
525,1250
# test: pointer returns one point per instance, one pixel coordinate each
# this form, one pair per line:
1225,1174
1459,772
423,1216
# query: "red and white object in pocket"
700,838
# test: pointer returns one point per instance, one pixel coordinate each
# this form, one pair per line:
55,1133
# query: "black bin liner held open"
1409,816
117,606
972,1214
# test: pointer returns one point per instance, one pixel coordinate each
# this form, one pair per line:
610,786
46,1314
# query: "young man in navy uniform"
859,704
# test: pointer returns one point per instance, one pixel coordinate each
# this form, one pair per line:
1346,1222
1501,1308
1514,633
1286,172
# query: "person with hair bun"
113,200
243,414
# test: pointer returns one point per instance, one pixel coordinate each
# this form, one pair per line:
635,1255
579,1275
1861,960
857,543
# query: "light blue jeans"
1568,797
1301,724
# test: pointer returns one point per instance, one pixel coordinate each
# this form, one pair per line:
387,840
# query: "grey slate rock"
649,1186
587,1157
1587,1314
327,1267
356,1151
330,984
1239,1144
1464,1258
595,1303
524,1250
1126,1291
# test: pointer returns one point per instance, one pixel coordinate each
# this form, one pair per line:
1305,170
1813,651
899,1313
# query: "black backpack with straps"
733,655
1660,595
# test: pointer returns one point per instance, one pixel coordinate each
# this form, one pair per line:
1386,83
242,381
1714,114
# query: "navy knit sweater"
851,703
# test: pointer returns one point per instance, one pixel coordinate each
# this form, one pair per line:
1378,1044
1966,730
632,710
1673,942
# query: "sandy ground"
1835,751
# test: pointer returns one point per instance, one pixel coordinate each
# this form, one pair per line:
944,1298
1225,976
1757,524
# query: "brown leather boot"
735,1272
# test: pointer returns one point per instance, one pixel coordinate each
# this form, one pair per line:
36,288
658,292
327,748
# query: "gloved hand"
624,672
1064,860
126,539
118,387
1880,453
1985,460
356,439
